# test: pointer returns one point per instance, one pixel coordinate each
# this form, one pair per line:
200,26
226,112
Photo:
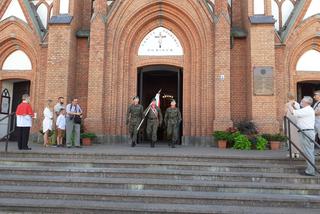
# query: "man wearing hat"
134,117
172,120
154,117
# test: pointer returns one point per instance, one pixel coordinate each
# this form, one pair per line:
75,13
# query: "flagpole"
147,111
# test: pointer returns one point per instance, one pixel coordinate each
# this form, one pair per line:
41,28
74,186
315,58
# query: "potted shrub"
275,140
87,138
242,142
221,137
261,143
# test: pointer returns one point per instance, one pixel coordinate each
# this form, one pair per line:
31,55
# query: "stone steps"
131,182
155,173
160,197
151,157
170,165
161,184
73,206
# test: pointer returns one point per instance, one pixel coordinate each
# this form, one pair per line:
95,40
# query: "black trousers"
23,137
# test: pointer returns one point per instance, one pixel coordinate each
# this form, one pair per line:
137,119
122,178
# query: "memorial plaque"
263,81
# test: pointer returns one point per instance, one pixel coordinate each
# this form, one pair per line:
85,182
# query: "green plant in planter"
275,137
88,135
242,142
261,143
221,135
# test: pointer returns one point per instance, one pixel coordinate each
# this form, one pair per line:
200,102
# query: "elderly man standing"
305,121
316,108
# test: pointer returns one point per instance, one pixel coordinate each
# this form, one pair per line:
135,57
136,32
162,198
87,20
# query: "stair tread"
143,207
151,170
151,181
144,162
158,193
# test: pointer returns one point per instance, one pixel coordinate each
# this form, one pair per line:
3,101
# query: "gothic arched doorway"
166,78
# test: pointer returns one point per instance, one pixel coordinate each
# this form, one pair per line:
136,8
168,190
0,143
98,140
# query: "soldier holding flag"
154,120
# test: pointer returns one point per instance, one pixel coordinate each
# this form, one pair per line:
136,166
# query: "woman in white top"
293,130
47,122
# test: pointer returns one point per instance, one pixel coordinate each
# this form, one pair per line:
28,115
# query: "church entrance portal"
307,88
153,78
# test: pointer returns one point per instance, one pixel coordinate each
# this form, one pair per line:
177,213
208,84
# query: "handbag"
76,118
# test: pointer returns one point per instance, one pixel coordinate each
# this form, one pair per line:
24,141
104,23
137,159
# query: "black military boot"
152,144
173,144
133,144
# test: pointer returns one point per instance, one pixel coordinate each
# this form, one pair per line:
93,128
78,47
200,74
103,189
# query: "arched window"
275,13
287,8
309,61
42,11
258,7
64,7
160,42
18,60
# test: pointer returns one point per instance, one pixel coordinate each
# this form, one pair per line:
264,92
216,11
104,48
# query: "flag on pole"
157,97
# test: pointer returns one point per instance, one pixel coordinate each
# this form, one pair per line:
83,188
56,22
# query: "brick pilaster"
94,120
222,67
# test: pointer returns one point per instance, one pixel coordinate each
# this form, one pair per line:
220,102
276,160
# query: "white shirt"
61,122
24,121
305,117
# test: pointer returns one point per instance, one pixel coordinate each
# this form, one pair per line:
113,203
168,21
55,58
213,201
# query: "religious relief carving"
263,81
160,42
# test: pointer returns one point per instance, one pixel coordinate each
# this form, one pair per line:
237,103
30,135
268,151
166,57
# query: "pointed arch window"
309,61
18,60
5,102
281,11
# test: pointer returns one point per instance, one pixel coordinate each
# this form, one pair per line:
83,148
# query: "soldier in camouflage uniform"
172,120
134,117
154,117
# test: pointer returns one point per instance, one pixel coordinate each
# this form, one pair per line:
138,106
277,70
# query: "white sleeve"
300,112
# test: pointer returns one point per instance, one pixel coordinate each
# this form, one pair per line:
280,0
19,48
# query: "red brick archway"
128,25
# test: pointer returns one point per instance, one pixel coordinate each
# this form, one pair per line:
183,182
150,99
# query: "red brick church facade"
239,60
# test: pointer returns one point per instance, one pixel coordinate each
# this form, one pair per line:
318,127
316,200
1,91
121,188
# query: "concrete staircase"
40,182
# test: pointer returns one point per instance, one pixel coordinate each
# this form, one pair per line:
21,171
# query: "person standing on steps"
293,130
316,108
47,122
305,121
24,115
134,117
73,122
172,120
154,120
